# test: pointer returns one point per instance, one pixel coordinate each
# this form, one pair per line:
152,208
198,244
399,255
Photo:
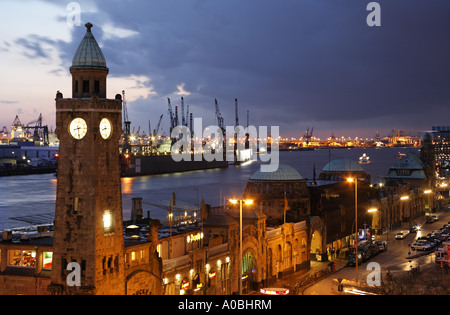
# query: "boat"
400,155
364,159
132,166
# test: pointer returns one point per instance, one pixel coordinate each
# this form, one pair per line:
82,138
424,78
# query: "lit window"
47,260
22,258
107,221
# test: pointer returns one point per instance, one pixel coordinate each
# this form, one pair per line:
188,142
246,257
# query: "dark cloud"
292,63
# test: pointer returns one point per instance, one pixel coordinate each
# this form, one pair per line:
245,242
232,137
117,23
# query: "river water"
34,195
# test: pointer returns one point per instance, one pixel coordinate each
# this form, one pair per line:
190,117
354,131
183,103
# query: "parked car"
401,235
382,246
420,246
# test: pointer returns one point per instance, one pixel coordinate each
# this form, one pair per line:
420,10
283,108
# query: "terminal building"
291,222
89,250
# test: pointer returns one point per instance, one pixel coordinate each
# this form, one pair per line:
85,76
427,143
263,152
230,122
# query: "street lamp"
428,192
247,202
404,198
355,180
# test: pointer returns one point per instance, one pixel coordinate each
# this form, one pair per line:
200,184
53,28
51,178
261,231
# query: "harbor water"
30,199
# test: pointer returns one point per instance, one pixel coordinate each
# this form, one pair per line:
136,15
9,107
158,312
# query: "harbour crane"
187,115
171,117
126,125
40,132
308,135
155,132
177,122
183,120
219,117
236,111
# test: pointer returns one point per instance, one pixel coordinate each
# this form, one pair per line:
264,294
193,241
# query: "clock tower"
88,213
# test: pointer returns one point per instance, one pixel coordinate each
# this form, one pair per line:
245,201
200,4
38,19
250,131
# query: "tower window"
97,87
108,222
76,86
85,86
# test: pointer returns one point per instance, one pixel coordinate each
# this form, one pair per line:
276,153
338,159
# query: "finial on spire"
88,26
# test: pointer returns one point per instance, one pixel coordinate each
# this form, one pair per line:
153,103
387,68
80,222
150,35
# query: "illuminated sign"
194,237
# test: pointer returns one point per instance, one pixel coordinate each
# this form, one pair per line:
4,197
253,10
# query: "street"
395,259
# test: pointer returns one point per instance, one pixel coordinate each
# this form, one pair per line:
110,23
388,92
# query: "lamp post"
247,202
404,198
428,192
374,210
351,180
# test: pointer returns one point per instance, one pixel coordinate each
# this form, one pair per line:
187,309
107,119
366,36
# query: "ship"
132,165
364,159
140,160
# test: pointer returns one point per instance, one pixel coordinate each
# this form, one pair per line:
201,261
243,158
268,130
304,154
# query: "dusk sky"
292,63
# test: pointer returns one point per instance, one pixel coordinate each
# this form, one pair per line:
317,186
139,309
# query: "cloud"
181,90
290,63
8,102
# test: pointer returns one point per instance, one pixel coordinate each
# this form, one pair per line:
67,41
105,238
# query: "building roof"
408,162
89,53
283,173
409,166
343,165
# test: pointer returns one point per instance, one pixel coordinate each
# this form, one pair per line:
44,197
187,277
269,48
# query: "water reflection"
35,194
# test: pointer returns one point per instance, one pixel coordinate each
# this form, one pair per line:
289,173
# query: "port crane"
308,135
219,117
155,131
171,116
236,111
126,126
183,120
39,130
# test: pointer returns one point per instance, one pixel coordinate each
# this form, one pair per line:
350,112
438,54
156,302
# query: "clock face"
78,128
105,128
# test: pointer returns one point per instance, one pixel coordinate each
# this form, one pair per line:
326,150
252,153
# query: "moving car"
401,235
274,291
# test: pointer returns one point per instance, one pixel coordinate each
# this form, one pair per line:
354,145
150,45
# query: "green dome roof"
89,53
343,165
283,173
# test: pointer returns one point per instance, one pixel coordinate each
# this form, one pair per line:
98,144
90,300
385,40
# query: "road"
395,259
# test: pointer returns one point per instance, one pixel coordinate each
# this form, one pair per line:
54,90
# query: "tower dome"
342,165
340,169
89,69
283,173
89,53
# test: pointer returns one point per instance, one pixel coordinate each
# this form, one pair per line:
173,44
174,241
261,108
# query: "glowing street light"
355,180
247,202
